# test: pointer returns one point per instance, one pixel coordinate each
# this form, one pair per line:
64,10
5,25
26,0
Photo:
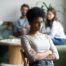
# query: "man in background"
21,25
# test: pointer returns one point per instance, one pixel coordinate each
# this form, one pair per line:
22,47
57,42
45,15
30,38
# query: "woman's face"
50,15
36,24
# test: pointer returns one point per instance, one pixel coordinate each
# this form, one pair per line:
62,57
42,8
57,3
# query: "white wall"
10,9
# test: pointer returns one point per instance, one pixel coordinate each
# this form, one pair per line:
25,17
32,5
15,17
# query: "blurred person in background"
56,29
6,30
21,25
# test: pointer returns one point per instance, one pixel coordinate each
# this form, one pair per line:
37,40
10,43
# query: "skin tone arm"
51,57
42,55
48,55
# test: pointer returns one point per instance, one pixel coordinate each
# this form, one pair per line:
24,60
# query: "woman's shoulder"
57,22
46,36
24,36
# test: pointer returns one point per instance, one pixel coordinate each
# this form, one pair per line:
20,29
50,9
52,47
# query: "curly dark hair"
34,13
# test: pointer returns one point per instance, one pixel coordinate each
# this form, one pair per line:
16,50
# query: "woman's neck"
34,33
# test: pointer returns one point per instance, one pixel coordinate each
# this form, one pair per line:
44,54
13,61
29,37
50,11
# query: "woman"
38,47
56,29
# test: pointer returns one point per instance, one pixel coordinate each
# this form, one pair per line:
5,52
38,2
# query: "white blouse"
57,31
39,43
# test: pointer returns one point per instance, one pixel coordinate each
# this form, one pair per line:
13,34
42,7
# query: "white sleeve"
54,49
31,55
54,30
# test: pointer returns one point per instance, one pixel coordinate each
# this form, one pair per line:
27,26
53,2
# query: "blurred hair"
25,5
55,17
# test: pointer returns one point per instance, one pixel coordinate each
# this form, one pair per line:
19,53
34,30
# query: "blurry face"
50,15
36,24
24,11
7,25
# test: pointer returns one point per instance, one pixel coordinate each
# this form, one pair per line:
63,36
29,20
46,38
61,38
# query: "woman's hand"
50,52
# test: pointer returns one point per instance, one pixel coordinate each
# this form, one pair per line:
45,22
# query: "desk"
15,56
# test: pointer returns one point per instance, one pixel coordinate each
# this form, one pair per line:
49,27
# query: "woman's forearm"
43,55
38,56
52,57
